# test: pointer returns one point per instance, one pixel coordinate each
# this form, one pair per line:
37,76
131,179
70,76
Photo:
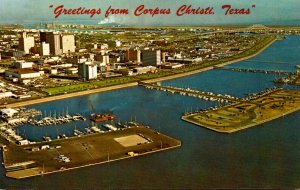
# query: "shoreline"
120,86
70,95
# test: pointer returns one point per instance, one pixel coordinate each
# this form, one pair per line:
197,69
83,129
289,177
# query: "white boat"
110,127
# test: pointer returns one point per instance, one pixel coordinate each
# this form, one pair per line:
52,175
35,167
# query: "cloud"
108,20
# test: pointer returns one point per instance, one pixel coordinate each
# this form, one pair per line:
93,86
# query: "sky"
38,11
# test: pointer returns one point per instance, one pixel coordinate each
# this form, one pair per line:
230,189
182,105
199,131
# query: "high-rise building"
43,37
45,49
151,57
133,55
53,39
26,42
68,43
87,70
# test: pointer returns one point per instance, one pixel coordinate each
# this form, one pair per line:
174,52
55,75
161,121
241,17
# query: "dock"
210,96
75,152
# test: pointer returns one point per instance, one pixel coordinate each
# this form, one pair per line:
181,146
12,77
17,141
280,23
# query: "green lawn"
89,85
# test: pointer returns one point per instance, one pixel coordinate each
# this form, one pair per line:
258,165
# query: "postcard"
147,94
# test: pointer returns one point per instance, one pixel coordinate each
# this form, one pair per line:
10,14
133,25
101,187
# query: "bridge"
254,71
261,61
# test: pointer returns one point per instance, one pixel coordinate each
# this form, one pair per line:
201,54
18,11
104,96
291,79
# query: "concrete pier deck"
87,150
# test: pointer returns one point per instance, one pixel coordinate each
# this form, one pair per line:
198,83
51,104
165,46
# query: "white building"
22,73
45,49
118,43
9,112
143,70
26,43
68,43
6,95
104,46
87,70
22,64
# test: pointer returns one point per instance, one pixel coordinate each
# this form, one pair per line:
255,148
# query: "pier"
82,151
254,71
209,96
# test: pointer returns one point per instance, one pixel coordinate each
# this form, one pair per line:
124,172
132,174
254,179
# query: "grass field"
247,114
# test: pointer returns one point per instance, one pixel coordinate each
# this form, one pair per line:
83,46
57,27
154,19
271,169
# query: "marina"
209,96
56,121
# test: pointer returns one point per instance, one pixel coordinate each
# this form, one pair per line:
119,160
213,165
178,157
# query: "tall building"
68,43
87,70
53,39
26,42
151,57
133,55
45,49
43,37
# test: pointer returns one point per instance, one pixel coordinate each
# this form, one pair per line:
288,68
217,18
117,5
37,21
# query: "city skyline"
31,11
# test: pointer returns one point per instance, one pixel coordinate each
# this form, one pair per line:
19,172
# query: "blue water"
266,156
281,56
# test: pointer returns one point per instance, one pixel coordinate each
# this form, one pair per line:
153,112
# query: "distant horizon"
294,23
261,12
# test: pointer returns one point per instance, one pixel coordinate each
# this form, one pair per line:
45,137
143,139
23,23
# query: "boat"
95,129
110,127
46,138
77,132
62,136
105,117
